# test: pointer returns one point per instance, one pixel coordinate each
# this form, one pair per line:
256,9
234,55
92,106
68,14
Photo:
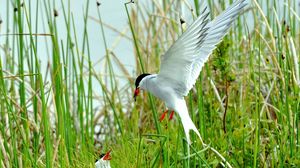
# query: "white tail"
186,120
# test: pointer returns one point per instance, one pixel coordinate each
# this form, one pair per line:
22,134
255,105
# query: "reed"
245,103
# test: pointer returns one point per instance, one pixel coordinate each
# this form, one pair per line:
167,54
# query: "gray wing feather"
182,63
219,27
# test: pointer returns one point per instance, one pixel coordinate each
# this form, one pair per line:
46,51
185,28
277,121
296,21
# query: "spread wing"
182,63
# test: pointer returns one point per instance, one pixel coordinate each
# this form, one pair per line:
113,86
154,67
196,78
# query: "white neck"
145,81
102,164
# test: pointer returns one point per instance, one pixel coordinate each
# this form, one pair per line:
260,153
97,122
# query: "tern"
104,161
181,64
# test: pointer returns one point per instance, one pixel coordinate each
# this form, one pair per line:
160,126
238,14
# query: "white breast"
161,91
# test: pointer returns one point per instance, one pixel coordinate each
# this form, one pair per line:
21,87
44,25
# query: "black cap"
139,78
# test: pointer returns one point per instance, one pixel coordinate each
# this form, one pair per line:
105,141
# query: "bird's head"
138,84
104,161
106,156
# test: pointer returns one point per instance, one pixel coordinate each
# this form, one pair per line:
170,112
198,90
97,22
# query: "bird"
104,161
181,64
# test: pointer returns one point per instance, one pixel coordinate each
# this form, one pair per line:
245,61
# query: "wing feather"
182,63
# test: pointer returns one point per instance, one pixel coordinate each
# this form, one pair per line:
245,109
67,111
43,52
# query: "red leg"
171,115
162,117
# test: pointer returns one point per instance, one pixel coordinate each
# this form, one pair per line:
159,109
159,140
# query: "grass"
245,103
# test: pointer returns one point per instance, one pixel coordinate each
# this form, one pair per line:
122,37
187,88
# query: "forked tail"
186,121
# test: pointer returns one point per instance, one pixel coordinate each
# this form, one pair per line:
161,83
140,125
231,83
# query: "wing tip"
242,4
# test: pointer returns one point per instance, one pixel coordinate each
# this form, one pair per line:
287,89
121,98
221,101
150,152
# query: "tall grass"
245,103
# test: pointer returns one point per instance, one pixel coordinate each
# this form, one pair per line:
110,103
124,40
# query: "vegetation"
245,103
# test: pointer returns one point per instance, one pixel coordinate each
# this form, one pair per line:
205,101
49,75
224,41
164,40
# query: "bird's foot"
162,117
171,115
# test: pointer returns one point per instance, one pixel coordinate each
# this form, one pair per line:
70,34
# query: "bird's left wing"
182,63
175,67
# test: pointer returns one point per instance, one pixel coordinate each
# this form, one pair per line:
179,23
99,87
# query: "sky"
112,12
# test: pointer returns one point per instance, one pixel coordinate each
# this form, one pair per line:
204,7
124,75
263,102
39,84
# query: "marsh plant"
61,110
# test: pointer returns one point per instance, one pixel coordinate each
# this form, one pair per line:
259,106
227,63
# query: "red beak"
107,156
136,93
